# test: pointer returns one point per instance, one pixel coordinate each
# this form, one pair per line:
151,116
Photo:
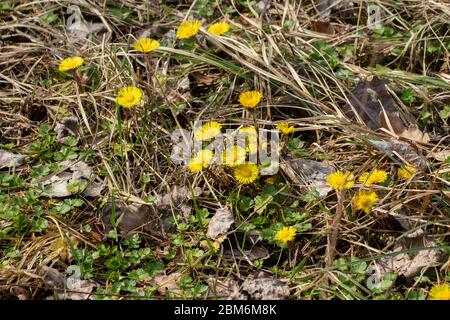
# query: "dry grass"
199,80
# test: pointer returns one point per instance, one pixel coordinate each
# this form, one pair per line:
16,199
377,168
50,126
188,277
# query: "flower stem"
78,81
333,231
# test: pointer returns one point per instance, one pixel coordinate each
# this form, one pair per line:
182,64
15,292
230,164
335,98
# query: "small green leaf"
49,18
408,96
416,295
445,113
6,5
245,203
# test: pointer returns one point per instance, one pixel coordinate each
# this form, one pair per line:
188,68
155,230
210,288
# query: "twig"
333,231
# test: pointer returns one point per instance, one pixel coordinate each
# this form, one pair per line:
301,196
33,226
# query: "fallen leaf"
73,172
220,223
9,160
441,155
52,278
80,291
167,282
20,292
262,6
255,253
177,196
322,27
203,79
224,288
413,133
264,287
66,288
412,264
327,7
391,122
158,30
403,149
373,103
173,90
131,218
79,30
67,126
308,173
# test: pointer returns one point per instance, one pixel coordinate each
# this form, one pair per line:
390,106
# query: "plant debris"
422,256
76,176
308,173
263,287
10,160
220,223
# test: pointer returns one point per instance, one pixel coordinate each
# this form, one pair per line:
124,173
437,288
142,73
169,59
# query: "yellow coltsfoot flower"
128,97
246,173
251,139
219,28
439,292
233,156
194,166
207,131
70,63
201,160
285,234
205,156
341,180
406,172
250,99
377,176
285,128
146,45
365,200
250,131
188,28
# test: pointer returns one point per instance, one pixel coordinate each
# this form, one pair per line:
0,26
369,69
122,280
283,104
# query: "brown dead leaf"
9,160
264,287
255,253
328,7
220,223
177,196
20,292
157,30
67,126
403,149
203,79
52,278
391,122
373,103
308,174
224,288
413,133
441,155
73,171
131,218
326,27
322,27
167,282
410,264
